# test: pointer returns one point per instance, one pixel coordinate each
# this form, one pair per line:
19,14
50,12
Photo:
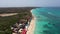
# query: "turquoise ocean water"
47,20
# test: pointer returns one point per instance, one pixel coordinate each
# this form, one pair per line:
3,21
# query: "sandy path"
32,26
10,14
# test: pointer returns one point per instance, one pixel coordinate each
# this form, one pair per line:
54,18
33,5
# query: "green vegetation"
7,22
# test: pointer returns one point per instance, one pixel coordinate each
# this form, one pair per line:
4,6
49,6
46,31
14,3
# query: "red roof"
24,31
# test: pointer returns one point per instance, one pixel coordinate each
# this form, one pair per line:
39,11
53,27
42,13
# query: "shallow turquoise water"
48,20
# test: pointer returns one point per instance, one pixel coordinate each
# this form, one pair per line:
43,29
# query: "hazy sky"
22,3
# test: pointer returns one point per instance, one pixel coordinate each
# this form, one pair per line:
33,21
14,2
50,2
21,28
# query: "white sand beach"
32,26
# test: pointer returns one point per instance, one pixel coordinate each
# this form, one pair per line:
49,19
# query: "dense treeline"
15,9
6,22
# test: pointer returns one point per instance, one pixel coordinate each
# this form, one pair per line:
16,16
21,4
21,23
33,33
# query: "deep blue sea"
47,20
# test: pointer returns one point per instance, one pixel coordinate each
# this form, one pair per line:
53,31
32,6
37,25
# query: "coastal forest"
7,21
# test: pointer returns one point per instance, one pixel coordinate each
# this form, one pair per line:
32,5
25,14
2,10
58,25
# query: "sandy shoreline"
32,26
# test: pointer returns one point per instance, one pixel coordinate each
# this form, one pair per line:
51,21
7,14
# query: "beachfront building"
21,26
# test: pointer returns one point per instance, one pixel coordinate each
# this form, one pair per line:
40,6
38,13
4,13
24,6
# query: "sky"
29,3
